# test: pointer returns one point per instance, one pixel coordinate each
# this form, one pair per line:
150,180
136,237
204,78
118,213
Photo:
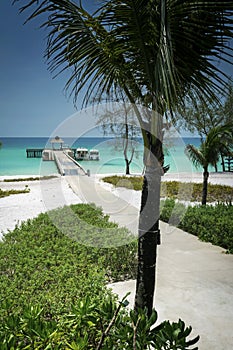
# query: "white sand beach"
43,196
52,193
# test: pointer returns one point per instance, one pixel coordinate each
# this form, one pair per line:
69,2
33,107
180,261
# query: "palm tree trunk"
205,186
149,237
223,163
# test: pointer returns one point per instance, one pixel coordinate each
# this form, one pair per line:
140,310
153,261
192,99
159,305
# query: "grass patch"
131,182
37,178
176,189
10,192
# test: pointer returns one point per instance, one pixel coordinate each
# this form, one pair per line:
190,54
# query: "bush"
95,324
210,223
131,182
53,288
40,265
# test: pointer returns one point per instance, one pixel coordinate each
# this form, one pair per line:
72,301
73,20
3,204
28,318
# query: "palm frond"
157,49
218,140
196,156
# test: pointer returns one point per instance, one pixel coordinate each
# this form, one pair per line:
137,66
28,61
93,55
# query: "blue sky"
32,103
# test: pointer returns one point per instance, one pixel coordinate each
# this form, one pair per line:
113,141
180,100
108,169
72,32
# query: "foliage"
203,115
131,182
218,140
227,109
121,122
136,331
94,324
134,49
7,193
212,224
186,191
53,292
37,178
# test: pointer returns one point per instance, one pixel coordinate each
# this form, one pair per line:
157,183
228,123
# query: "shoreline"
52,193
221,178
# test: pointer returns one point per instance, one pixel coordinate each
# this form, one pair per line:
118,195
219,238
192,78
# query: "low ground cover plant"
176,189
53,291
6,193
34,178
211,223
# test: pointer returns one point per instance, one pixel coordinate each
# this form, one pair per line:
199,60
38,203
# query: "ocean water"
14,161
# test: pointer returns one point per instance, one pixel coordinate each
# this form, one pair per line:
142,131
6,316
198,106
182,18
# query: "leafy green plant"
37,178
177,190
94,324
131,182
213,223
53,291
10,192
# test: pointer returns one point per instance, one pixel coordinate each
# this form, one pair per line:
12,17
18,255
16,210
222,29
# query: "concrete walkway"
194,279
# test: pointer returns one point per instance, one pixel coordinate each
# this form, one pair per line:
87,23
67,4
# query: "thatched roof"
57,139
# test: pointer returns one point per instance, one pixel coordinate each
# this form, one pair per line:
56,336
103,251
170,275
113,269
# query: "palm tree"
153,53
219,141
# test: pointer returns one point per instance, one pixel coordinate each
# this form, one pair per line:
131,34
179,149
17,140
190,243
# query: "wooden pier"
38,152
64,159
66,165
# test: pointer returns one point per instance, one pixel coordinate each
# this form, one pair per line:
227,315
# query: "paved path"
67,165
194,279
119,210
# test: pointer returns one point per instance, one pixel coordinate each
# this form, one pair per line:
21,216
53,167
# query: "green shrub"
210,223
39,263
131,182
177,190
9,192
53,291
94,324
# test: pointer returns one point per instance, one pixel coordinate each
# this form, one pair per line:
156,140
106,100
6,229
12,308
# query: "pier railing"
228,164
38,152
34,152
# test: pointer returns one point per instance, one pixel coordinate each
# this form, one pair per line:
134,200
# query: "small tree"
219,139
203,115
122,124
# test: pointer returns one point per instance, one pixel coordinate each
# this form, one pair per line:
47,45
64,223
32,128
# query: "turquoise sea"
13,159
